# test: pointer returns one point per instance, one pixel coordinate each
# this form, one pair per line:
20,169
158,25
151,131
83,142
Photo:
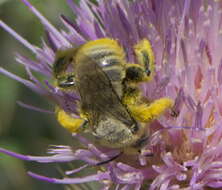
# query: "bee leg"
131,95
109,160
147,113
70,123
135,73
144,69
145,58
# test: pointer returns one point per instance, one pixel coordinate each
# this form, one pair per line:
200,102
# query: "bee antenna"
109,160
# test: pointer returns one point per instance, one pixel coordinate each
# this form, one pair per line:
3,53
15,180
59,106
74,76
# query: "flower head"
186,151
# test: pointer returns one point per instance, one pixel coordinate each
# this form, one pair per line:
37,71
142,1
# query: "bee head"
63,61
63,68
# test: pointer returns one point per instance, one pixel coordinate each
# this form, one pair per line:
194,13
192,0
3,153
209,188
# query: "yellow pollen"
68,122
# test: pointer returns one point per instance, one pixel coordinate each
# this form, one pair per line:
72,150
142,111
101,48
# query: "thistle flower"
186,38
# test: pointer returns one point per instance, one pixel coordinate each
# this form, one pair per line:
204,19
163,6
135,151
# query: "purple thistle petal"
142,160
161,181
170,162
85,19
31,107
57,44
48,25
125,177
181,26
198,118
46,57
34,79
41,159
35,66
125,168
97,177
82,139
51,42
27,83
15,155
123,19
18,37
217,135
43,178
99,32
126,187
186,37
76,170
215,184
137,187
88,33
117,187
97,152
190,103
106,186
219,75
75,29
178,102
84,15
65,100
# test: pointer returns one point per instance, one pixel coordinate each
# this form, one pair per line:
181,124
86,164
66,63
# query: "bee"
111,104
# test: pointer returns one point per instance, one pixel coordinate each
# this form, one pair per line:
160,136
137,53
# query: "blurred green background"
21,130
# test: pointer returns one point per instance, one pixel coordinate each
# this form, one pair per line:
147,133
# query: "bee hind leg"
73,125
144,69
147,113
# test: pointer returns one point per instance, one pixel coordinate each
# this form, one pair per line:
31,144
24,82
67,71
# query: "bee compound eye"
65,82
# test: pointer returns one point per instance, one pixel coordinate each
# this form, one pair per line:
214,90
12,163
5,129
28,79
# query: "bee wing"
97,94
